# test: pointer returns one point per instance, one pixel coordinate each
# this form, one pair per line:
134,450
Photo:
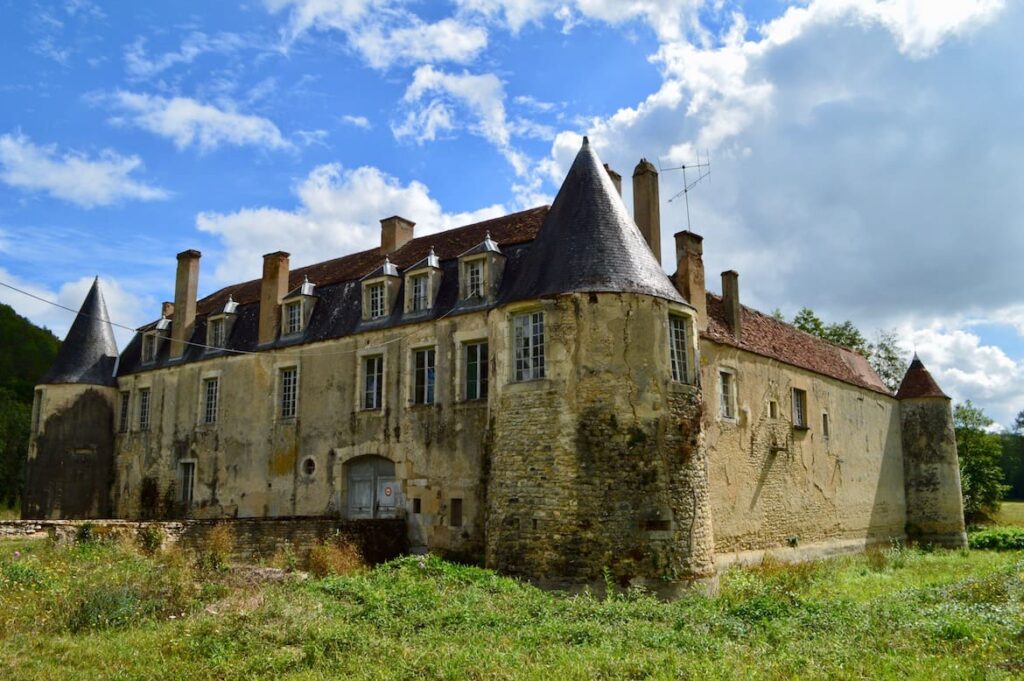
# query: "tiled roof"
507,230
918,382
765,335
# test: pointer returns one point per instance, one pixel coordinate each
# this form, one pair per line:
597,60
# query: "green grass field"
109,611
1011,513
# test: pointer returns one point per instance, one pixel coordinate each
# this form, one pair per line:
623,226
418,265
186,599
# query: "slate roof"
767,336
918,382
89,352
588,242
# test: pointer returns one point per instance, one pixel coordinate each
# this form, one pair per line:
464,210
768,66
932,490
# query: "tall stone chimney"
273,289
616,178
690,274
395,232
166,309
731,302
186,286
646,204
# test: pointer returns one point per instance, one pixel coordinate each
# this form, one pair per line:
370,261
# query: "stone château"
533,392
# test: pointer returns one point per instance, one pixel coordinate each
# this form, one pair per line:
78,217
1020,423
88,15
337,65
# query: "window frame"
379,389
186,493
149,349
124,411
455,512
470,267
480,381
283,414
293,324
680,374
727,398
528,357
145,408
210,413
216,333
419,294
377,301
826,426
799,408
425,392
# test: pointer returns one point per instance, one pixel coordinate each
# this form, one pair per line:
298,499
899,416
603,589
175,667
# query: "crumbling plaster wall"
795,491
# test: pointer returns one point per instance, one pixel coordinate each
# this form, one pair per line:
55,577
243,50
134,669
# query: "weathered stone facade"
532,392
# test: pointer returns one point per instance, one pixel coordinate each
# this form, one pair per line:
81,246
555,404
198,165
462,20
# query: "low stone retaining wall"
253,539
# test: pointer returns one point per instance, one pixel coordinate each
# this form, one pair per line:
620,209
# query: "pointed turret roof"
918,382
89,351
588,242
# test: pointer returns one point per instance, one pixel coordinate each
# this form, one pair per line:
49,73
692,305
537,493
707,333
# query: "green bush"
998,539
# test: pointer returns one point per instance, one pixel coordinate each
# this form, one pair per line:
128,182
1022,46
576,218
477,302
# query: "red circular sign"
387,491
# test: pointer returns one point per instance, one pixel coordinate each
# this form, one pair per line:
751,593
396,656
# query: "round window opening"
309,466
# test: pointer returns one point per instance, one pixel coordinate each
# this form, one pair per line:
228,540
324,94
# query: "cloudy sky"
865,154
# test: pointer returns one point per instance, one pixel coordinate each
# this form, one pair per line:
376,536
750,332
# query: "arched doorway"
372,489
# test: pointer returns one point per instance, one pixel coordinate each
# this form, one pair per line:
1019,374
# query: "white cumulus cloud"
338,213
73,176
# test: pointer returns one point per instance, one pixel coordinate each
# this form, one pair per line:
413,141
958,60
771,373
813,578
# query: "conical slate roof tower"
589,243
89,352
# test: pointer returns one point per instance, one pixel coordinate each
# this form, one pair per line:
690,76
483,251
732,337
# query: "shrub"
998,539
151,538
337,556
216,551
104,607
85,534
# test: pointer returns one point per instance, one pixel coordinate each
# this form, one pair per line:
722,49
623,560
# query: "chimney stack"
186,286
273,289
690,274
166,309
731,302
646,205
395,232
616,178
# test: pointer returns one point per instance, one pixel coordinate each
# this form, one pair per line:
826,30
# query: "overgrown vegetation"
26,352
106,609
980,453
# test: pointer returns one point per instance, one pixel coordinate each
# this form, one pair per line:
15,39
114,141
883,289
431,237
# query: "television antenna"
703,170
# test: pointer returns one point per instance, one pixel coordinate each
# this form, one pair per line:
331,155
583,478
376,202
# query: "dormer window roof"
163,324
306,288
230,307
488,245
431,261
387,269
296,308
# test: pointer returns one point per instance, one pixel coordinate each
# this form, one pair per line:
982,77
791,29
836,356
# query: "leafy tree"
806,320
1018,423
15,418
981,477
1012,461
886,358
777,313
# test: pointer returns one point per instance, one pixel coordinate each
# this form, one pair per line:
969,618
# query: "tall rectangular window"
377,306
124,415
727,394
373,382
826,429
293,317
211,390
143,409
476,371
187,475
289,381
216,339
475,279
148,348
423,379
799,408
456,513
528,342
419,292
678,342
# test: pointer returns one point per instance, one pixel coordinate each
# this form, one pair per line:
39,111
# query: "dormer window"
218,327
216,337
377,300
296,309
380,290
419,292
149,341
475,279
480,270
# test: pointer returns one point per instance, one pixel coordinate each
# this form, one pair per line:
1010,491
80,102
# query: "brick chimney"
646,204
273,289
731,302
616,178
690,274
186,286
166,308
395,232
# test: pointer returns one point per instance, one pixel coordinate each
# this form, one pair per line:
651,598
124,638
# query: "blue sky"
865,153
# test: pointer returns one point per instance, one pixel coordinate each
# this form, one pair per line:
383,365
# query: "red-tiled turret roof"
918,382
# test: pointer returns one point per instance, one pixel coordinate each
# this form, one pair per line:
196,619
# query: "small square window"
826,427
